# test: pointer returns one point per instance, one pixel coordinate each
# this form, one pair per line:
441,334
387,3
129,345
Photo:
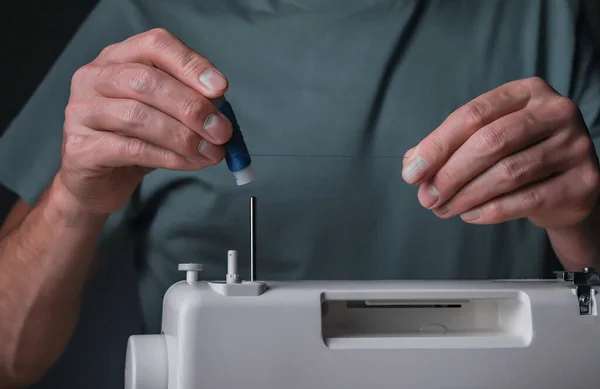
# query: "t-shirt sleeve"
30,148
586,77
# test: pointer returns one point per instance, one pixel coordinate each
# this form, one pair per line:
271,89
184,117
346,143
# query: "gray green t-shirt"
323,91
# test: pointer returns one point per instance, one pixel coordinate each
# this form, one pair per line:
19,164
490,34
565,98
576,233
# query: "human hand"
142,104
519,151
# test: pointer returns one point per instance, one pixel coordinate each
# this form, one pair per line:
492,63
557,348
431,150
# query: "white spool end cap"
146,363
244,176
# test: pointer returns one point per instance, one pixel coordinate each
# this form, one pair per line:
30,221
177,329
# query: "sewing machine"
231,334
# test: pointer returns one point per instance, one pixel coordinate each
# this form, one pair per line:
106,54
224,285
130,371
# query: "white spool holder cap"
191,271
244,176
232,276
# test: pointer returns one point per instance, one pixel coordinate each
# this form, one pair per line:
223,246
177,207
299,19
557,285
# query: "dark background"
32,36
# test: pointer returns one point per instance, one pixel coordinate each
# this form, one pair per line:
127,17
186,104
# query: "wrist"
63,205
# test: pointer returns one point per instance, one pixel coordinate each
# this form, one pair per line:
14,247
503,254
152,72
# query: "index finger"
163,50
432,152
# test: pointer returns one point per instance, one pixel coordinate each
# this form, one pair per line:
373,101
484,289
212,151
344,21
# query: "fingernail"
429,201
217,127
213,79
471,215
412,172
433,191
442,210
209,150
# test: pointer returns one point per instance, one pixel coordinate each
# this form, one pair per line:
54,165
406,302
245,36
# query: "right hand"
142,104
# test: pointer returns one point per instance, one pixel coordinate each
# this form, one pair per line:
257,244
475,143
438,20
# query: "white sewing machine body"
371,334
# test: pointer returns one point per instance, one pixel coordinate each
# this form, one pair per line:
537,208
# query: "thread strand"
327,156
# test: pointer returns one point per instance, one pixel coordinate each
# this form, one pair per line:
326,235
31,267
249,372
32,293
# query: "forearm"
43,267
578,246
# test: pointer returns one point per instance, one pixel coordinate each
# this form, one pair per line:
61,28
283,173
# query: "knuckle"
583,146
532,200
156,39
79,75
105,52
192,63
528,120
83,73
185,140
566,108
171,160
193,108
143,80
75,146
133,113
493,140
436,146
73,112
493,212
73,140
134,148
475,113
536,82
590,178
511,169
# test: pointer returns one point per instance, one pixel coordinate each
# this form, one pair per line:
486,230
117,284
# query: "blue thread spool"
237,156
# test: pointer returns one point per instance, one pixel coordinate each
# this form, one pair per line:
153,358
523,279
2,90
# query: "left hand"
519,151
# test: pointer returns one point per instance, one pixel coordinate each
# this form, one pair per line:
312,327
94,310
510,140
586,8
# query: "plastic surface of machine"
252,334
